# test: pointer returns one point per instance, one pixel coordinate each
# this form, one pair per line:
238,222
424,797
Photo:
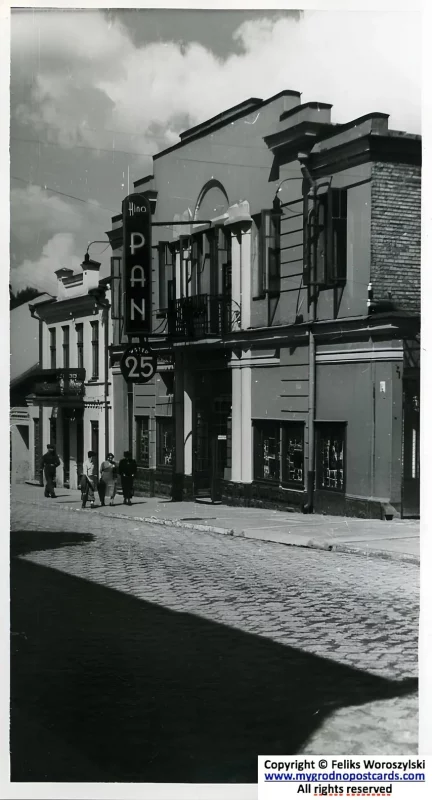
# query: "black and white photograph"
214,430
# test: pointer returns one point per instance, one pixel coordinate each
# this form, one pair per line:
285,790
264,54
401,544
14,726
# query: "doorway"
37,451
210,455
411,449
66,447
94,425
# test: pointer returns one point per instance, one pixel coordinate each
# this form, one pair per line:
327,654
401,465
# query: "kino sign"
137,264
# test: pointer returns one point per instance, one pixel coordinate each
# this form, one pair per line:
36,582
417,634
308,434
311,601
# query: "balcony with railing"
201,316
61,384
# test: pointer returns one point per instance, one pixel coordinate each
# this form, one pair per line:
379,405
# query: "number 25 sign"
138,364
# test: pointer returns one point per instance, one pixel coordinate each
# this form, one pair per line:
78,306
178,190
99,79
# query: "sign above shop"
137,265
138,364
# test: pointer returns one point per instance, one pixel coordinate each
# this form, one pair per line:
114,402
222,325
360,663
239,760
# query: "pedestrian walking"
88,479
108,480
50,462
127,471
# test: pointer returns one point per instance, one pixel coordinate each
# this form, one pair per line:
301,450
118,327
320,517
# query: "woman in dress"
108,479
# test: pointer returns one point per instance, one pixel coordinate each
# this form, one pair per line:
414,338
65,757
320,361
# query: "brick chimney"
90,270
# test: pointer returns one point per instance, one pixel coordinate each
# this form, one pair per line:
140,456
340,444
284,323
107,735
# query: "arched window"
212,202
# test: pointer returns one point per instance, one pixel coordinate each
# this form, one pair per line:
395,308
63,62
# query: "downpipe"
310,485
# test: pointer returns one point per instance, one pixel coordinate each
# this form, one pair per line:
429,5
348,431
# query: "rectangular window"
66,332
53,348
337,251
185,266
331,456
293,453
270,256
197,263
116,284
95,349
142,441
166,275
325,240
80,345
267,451
164,442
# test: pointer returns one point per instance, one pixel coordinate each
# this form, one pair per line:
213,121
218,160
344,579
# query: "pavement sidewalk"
396,539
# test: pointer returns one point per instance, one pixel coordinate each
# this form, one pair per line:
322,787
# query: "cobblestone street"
141,653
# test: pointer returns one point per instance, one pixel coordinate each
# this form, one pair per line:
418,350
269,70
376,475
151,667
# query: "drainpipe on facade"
105,306
106,364
310,486
308,508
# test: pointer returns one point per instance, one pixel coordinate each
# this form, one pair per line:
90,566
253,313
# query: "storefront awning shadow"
134,692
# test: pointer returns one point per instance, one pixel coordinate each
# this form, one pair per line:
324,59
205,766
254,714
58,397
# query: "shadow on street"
107,687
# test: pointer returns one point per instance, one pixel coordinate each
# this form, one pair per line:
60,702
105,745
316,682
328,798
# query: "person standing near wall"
88,479
50,462
127,471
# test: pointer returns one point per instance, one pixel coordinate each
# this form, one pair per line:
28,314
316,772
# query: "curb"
388,555
311,544
168,523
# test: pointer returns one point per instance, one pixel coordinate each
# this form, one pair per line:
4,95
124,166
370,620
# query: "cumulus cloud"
60,251
35,214
91,79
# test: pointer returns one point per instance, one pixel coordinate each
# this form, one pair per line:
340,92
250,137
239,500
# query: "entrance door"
201,454
210,446
79,443
221,414
411,449
37,451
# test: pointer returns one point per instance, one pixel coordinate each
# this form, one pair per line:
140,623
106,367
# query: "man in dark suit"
127,471
50,462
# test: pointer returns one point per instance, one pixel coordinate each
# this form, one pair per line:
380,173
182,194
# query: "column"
246,273
235,277
73,454
178,419
236,434
188,397
246,425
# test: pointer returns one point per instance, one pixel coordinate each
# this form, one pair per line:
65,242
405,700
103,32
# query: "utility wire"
72,196
81,147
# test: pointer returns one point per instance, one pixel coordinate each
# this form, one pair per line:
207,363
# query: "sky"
94,94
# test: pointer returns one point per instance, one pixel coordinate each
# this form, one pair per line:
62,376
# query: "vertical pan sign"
137,264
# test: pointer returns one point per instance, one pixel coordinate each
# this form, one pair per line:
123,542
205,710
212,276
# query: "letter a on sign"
137,265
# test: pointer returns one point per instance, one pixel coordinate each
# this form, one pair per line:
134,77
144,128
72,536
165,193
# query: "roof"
223,118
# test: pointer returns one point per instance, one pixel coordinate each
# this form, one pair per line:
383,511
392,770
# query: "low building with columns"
286,300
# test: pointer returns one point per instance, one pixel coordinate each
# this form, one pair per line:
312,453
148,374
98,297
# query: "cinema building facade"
285,312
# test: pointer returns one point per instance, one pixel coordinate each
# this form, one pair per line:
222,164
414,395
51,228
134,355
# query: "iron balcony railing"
60,383
200,316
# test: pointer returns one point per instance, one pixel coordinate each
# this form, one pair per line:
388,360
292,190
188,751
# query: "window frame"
140,422
66,346
79,328
321,426
53,347
95,349
286,426
166,276
117,298
329,213
267,281
160,422
259,426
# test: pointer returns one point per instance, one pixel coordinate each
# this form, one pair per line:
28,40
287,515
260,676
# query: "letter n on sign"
137,265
